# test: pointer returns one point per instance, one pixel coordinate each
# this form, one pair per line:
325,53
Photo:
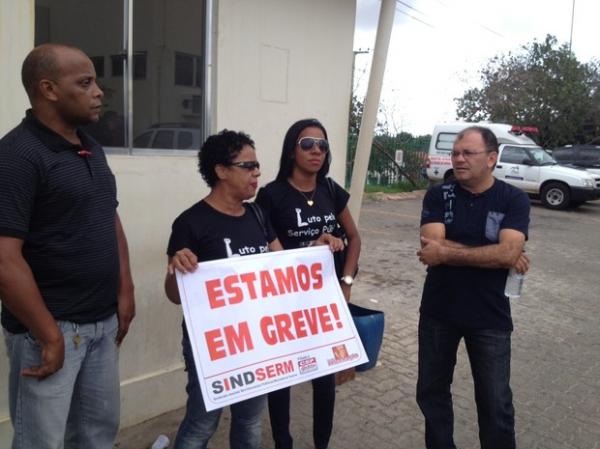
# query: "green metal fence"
383,169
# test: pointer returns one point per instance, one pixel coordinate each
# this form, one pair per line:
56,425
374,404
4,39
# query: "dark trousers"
489,355
323,404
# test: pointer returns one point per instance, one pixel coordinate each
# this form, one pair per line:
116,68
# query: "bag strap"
258,213
331,188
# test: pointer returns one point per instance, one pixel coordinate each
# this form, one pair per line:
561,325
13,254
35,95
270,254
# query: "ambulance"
521,162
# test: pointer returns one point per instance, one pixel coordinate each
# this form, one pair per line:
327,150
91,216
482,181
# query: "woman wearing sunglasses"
218,226
302,204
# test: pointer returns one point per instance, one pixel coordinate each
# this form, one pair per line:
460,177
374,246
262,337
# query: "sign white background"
291,336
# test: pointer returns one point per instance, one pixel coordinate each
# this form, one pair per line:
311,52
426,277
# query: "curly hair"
286,163
221,148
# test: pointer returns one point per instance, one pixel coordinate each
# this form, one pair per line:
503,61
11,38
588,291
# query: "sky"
437,48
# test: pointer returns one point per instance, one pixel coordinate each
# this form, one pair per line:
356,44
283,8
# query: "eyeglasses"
307,143
248,165
466,153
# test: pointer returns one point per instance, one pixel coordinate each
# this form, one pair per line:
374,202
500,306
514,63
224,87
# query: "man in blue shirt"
473,229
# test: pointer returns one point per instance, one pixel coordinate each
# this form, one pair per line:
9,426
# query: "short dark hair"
221,148
286,163
41,63
489,138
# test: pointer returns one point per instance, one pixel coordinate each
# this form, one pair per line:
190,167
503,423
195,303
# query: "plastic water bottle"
162,442
514,284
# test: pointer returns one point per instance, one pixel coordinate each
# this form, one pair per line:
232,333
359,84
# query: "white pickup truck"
521,162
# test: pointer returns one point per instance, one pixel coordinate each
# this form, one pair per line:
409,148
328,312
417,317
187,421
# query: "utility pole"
369,117
360,51
572,20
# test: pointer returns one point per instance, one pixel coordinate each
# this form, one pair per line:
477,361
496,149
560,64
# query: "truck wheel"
556,195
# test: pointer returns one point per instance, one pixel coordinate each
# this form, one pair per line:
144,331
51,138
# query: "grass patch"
395,188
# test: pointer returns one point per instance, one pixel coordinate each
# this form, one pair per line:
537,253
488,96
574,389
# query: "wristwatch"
348,280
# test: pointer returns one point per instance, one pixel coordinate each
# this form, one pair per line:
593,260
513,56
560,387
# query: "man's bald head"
43,62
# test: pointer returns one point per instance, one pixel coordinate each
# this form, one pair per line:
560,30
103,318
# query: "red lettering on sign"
315,271
215,344
228,341
215,294
280,281
248,279
267,285
286,280
288,327
303,277
230,284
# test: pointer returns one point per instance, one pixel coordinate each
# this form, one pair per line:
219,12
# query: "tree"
544,86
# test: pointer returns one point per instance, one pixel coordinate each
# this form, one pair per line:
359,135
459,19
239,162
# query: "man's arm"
126,301
436,250
23,299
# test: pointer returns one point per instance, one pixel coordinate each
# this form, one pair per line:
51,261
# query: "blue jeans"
489,355
77,406
198,425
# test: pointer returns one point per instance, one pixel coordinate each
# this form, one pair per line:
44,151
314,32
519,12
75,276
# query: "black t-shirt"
211,234
470,296
62,204
296,223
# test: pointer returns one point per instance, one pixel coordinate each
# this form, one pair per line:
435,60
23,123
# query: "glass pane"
99,35
163,139
143,140
169,96
184,70
445,141
513,155
185,140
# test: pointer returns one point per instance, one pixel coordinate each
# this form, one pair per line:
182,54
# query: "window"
163,139
590,155
513,155
117,63
445,141
98,62
143,140
139,66
164,34
185,139
188,70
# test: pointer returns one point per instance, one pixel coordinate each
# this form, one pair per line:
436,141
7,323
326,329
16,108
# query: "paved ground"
556,344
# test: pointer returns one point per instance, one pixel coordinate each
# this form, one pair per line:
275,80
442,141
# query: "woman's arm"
354,245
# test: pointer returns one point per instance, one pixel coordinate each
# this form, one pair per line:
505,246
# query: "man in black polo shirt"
472,231
65,284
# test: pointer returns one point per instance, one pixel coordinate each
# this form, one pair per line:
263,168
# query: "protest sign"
263,322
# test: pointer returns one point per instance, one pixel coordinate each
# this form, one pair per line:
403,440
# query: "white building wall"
276,61
16,39
279,61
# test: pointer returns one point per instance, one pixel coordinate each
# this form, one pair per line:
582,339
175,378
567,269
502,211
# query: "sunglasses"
307,143
248,165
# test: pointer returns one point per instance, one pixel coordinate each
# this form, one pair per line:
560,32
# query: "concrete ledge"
153,394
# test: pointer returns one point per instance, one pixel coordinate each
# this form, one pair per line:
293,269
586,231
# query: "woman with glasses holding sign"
221,225
304,205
